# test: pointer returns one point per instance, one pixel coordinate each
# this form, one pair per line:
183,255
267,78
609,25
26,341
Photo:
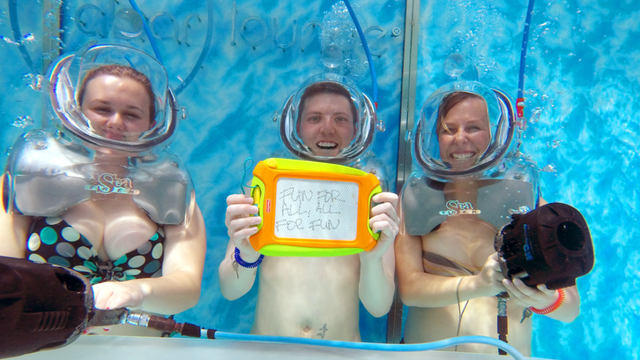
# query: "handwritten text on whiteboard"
316,209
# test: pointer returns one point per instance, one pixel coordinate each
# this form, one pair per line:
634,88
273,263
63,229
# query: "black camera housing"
41,306
552,244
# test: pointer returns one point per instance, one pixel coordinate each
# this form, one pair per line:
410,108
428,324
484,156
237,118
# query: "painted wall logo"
455,207
111,184
173,25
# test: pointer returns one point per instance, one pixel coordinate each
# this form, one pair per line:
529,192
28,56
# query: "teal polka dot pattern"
48,236
145,248
34,242
70,234
121,260
157,251
133,272
85,253
82,269
65,249
136,261
36,259
58,260
52,220
52,240
152,267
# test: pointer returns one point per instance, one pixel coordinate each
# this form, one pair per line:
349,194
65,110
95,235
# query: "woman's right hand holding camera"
489,280
241,224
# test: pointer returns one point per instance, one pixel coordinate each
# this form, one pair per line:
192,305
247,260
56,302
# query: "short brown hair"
326,87
121,71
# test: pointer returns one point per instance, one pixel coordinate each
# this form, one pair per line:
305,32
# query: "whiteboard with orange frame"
312,208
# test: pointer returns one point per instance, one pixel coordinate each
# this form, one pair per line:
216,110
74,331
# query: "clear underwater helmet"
66,78
365,122
426,149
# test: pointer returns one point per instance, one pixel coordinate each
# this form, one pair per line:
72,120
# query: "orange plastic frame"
266,175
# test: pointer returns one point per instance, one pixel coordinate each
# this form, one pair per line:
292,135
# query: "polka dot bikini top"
52,240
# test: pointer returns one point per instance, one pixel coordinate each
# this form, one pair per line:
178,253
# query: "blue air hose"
17,35
191,330
205,50
203,54
371,346
367,51
523,57
147,31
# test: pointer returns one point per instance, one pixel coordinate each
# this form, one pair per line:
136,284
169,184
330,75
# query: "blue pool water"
582,77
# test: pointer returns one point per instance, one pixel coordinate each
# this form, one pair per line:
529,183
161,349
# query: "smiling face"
118,107
463,132
326,124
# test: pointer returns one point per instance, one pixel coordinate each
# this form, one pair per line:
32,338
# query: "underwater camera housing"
45,307
552,244
41,306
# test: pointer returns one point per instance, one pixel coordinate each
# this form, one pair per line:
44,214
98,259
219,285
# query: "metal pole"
407,113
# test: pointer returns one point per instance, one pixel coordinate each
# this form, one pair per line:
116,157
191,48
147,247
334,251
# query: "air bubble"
9,41
332,56
28,38
549,168
128,23
338,36
33,81
22,122
455,65
535,115
25,39
554,144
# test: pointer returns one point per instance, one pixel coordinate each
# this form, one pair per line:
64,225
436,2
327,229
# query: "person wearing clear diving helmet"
100,194
329,120
468,184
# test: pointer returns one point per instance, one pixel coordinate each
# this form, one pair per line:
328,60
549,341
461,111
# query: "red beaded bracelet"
553,306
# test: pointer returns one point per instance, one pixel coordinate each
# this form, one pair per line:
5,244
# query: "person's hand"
539,297
491,277
119,294
384,219
241,224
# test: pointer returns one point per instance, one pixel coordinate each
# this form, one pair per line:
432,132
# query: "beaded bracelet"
553,306
245,264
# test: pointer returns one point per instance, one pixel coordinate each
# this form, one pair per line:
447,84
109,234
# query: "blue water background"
581,83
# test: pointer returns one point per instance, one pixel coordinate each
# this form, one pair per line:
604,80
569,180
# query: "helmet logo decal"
111,184
455,207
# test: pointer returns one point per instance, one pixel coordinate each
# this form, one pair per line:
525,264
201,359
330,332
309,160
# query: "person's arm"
235,281
377,266
13,230
178,289
542,298
418,288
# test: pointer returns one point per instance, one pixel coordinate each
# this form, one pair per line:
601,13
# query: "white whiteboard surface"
139,348
316,209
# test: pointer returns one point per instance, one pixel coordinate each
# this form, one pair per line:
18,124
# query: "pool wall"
581,82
